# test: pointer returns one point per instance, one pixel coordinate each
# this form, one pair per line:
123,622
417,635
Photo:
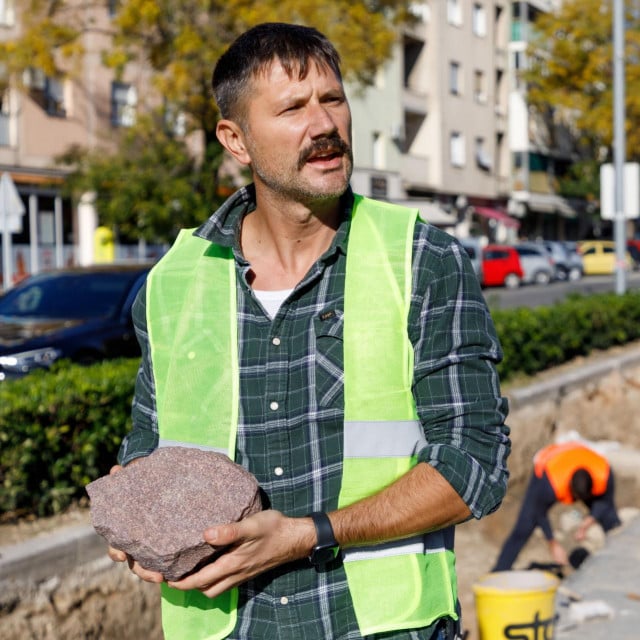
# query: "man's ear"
231,138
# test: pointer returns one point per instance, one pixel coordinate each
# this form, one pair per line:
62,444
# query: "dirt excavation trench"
594,398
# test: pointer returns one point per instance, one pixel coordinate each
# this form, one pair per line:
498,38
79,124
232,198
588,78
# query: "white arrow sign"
11,211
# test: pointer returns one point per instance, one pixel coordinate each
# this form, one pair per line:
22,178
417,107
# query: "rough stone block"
157,508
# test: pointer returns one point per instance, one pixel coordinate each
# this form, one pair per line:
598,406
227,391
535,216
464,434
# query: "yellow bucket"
516,605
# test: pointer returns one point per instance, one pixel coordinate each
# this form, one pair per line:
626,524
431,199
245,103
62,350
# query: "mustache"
333,143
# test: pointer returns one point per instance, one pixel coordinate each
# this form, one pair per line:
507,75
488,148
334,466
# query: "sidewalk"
609,586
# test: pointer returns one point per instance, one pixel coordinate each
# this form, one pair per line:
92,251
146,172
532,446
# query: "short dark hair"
295,46
582,485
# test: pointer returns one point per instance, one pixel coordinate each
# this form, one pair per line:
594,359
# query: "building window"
454,12
454,78
479,20
483,160
112,7
378,149
456,149
479,86
47,92
7,13
124,99
5,122
519,66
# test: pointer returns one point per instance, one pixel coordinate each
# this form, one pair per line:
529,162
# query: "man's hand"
257,543
120,556
558,553
585,525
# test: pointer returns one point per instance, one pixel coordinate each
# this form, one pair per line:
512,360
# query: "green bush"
59,430
536,339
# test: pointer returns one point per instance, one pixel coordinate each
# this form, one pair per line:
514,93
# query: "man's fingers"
116,555
145,574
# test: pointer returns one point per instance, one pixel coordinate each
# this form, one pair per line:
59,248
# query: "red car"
501,266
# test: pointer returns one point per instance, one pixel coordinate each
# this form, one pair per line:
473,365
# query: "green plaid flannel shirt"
291,413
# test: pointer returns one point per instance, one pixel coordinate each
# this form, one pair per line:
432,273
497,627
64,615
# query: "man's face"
298,134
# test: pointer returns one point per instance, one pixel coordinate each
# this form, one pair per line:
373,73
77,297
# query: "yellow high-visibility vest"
192,324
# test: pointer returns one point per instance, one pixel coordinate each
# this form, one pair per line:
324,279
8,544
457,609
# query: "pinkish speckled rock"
157,508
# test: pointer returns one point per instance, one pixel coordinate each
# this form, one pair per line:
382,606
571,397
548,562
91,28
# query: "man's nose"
321,121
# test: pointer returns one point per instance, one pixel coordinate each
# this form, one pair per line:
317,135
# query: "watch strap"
324,530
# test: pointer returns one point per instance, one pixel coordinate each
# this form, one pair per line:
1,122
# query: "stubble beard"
291,185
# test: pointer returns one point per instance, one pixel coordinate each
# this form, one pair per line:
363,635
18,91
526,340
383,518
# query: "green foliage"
151,186
570,77
581,181
536,339
59,430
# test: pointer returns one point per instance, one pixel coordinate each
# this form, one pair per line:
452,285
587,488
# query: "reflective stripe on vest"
193,338
561,461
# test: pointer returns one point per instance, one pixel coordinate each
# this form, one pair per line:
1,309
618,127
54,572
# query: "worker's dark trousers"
535,504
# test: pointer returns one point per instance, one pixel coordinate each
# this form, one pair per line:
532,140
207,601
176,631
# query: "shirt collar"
223,227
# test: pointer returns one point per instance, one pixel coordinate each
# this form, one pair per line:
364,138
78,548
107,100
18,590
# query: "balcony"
414,170
414,102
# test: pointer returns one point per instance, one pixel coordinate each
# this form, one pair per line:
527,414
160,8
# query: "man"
344,349
566,473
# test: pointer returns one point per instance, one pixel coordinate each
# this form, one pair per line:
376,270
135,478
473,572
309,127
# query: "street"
533,295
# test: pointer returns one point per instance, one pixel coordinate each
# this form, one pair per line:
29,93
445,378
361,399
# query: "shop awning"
430,212
495,214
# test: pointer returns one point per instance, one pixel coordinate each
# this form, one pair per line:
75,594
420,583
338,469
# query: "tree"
570,77
178,42
150,188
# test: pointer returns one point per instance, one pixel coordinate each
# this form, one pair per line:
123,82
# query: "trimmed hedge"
61,429
537,339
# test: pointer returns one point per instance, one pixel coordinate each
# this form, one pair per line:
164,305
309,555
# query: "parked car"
501,266
537,263
633,247
473,247
80,314
599,257
567,260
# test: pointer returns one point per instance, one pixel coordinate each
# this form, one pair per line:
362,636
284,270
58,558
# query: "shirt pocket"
329,360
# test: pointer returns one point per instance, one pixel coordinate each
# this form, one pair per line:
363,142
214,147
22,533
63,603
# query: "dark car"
80,314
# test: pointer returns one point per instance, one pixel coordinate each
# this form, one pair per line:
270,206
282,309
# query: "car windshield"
72,295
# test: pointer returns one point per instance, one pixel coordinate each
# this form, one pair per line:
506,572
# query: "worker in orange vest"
565,473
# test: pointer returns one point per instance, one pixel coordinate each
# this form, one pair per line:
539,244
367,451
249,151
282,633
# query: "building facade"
443,102
40,118
537,158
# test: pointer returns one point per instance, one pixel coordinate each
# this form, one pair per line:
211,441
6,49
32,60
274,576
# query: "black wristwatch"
326,548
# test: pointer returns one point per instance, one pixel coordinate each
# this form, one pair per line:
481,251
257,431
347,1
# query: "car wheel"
512,281
574,274
542,277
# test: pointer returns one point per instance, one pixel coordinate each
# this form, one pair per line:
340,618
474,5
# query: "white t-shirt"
272,300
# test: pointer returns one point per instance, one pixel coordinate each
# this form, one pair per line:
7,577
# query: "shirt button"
276,341
274,406
278,471
284,600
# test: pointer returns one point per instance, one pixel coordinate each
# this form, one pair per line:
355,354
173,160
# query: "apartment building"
536,161
41,119
438,134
